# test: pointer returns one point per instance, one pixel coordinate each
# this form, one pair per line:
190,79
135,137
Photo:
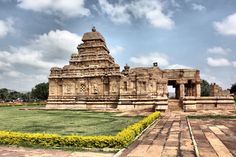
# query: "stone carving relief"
159,89
52,90
82,87
125,86
113,87
68,88
95,88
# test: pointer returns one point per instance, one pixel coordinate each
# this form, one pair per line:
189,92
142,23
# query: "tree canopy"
40,91
205,88
233,88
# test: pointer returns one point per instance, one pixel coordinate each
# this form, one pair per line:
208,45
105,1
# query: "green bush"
122,139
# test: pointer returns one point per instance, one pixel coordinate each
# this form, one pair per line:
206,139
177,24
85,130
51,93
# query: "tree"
4,94
40,91
233,89
14,95
26,97
205,88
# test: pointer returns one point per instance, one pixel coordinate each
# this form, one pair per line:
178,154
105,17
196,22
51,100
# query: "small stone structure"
93,80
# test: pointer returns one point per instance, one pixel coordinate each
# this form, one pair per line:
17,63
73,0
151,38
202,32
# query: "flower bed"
121,140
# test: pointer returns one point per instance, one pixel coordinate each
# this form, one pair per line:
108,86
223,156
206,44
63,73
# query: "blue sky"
36,35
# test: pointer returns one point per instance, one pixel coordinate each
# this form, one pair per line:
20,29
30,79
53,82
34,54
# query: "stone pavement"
28,152
168,137
215,137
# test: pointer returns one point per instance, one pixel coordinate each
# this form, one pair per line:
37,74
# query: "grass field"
63,122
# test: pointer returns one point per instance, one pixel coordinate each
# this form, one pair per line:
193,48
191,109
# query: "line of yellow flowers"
121,140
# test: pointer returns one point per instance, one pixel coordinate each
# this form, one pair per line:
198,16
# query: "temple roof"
93,35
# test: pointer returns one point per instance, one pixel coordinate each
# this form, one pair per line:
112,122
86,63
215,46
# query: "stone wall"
216,90
208,103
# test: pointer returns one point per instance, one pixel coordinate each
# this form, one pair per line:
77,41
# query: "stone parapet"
208,103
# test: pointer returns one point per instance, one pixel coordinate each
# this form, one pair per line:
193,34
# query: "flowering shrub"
122,139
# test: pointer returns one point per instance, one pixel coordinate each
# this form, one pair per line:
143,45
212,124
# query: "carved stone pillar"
191,91
198,90
177,92
165,90
194,90
181,90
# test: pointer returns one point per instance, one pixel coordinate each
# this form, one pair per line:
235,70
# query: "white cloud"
178,66
67,8
20,81
13,74
4,65
56,45
227,26
151,10
116,50
45,51
149,59
209,78
218,62
234,64
198,7
219,50
6,27
175,3
31,63
117,13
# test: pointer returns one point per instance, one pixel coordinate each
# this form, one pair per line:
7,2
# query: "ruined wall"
216,90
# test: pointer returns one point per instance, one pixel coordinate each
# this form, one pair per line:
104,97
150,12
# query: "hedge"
121,140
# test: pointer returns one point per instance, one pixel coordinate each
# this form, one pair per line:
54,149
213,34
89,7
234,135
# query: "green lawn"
63,122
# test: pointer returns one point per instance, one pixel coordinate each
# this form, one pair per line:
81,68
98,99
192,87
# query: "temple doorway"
172,89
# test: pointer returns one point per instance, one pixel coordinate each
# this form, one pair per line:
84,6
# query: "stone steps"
174,105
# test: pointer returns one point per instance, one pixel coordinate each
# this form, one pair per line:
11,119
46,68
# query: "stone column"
194,90
189,91
165,90
198,90
177,91
181,90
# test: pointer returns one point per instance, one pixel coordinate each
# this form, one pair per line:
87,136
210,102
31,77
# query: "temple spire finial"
93,29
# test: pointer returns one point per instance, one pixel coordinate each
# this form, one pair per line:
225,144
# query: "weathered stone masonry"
93,80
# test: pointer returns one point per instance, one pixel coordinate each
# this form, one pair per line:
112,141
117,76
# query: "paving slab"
215,137
170,137
28,152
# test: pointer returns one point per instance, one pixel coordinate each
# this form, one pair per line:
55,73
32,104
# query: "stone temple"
93,80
